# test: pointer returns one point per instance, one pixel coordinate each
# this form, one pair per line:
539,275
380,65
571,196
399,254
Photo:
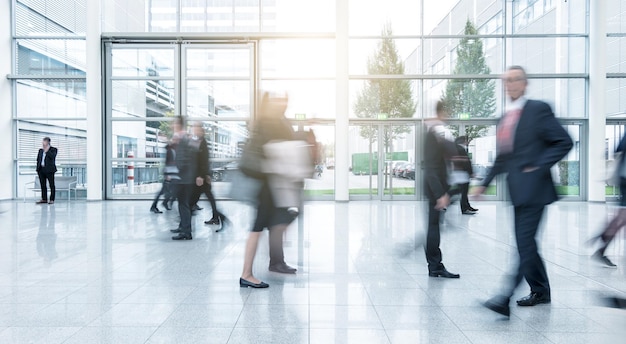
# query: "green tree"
390,97
470,97
165,127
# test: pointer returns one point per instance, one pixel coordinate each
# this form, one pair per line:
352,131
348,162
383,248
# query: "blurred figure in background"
200,142
464,164
437,151
529,141
279,195
190,177
619,221
170,175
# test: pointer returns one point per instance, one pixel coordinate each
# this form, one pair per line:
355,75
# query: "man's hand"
207,179
443,202
478,191
199,181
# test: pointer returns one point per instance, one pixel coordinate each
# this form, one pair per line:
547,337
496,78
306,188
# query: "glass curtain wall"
404,56
615,100
49,88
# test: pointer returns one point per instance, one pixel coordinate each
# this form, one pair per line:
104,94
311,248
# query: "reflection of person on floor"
46,237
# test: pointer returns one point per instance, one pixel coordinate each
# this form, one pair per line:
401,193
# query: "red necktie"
506,130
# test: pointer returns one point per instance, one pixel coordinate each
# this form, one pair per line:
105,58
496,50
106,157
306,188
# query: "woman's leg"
251,245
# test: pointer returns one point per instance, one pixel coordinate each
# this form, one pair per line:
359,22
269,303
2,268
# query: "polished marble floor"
108,272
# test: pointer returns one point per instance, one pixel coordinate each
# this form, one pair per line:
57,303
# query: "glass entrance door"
148,84
383,161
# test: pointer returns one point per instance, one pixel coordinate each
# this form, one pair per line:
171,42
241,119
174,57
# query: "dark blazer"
187,161
621,148
540,141
463,162
50,161
203,158
436,152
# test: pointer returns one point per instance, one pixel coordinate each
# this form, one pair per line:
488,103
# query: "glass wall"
403,56
49,88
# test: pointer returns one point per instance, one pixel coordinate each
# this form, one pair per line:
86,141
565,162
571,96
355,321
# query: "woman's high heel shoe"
245,284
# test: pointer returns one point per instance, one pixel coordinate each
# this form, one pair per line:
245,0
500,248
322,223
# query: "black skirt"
267,214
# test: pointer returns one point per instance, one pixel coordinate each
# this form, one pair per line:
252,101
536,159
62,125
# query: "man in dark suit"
529,141
190,177
437,150
46,167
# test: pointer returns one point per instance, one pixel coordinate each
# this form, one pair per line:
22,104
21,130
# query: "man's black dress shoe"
472,209
499,304
282,268
443,273
181,236
614,302
196,207
166,206
155,210
533,299
468,212
245,284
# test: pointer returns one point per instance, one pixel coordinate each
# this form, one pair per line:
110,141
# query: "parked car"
398,171
409,171
391,166
224,172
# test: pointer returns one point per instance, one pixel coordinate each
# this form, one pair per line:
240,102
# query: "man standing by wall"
529,141
46,167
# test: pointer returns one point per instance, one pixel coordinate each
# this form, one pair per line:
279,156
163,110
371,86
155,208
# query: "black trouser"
166,191
531,267
464,189
205,189
433,238
49,176
185,195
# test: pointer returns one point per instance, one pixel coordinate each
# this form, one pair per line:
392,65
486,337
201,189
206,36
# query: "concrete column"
7,168
342,157
95,143
597,112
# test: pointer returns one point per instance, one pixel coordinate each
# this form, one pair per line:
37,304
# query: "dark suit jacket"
50,161
187,161
463,162
540,141
436,151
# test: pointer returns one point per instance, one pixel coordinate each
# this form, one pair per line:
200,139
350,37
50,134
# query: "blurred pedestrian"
190,177
199,140
170,175
280,192
530,141
619,221
463,164
437,151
